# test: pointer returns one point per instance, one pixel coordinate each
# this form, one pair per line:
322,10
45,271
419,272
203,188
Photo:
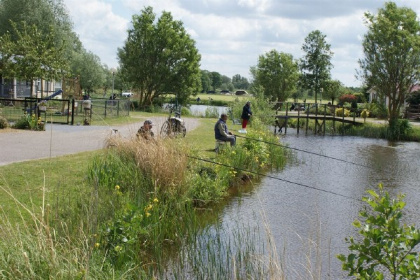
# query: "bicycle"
173,126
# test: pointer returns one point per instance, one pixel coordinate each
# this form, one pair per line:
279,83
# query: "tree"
88,66
391,60
278,74
216,80
160,57
31,55
205,80
316,64
385,244
48,17
240,82
332,90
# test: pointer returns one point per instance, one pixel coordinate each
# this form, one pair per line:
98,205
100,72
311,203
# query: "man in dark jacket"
146,130
246,115
221,131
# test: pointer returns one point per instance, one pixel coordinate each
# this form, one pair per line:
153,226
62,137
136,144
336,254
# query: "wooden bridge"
320,113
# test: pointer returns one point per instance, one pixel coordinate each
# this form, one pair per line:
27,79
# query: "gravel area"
58,140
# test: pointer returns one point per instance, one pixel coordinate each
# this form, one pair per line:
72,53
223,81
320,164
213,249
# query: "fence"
63,110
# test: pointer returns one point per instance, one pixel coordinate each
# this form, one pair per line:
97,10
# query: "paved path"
58,139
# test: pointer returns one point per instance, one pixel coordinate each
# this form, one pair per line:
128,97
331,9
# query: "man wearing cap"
146,130
221,131
246,115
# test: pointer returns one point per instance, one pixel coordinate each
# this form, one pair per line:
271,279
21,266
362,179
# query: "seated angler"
146,130
221,131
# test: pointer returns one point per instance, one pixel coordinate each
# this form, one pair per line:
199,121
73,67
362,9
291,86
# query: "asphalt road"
58,140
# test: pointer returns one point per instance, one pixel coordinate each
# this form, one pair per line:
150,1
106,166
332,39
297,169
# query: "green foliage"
260,105
400,129
316,64
89,68
340,111
3,122
22,123
414,99
384,243
331,90
378,110
361,98
34,54
240,82
160,57
278,74
391,55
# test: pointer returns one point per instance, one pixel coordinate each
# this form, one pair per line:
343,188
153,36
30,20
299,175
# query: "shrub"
401,129
22,123
29,122
385,244
360,97
340,111
348,98
364,114
3,122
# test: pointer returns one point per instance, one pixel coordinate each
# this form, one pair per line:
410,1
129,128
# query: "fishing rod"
304,151
275,178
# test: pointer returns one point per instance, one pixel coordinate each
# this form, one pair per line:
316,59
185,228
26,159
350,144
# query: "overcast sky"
231,34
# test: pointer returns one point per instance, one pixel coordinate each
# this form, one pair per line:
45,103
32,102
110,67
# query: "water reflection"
309,225
200,110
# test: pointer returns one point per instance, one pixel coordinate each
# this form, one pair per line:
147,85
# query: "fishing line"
275,178
304,151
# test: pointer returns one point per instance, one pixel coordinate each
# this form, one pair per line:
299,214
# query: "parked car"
126,94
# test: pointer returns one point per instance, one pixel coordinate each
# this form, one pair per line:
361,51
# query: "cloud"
231,34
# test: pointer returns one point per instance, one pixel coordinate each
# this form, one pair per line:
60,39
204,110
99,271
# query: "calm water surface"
200,110
308,225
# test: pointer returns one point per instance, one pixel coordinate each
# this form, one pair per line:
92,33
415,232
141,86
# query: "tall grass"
135,208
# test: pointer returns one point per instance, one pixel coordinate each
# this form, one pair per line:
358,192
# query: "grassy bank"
122,211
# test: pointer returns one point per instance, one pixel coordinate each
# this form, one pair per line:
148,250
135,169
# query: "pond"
310,205
200,110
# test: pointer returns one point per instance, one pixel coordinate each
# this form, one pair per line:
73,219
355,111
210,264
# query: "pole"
113,75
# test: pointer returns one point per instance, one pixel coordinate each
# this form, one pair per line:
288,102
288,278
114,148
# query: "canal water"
309,206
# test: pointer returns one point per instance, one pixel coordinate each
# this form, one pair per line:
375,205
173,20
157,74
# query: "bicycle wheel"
166,129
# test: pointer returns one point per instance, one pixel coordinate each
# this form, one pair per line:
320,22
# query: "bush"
340,111
348,98
385,244
3,123
401,129
360,97
22,123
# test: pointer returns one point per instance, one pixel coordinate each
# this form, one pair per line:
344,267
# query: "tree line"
160,57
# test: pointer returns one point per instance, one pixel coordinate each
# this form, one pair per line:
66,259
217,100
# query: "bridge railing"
316,109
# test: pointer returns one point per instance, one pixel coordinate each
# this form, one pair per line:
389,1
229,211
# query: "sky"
231,34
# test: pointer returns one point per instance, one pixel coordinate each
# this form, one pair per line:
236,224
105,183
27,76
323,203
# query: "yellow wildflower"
148,214
155,200
148,208
97,245
117,187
